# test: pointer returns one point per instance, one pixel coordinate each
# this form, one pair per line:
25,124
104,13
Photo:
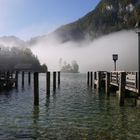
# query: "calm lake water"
73,112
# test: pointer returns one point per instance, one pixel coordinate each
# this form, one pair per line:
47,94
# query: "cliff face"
109,16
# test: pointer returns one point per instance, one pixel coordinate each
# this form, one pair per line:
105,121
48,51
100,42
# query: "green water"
73,112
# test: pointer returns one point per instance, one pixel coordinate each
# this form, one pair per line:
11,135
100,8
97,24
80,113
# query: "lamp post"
115,58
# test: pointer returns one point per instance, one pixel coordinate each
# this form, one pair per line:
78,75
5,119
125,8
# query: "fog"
92,55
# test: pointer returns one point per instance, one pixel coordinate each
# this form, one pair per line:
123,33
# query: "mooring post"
95,78
91,78
48,83
136,80
54,81
107,83
122,88
29,78
16,79
99,80
88,78
36,89
58,78
22,78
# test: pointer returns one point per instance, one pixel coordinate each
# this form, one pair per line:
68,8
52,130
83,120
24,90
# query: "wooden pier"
10,80
120,80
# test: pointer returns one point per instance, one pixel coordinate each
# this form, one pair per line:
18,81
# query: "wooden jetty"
120,80
9,79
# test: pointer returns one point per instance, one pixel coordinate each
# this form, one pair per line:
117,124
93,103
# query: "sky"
30,18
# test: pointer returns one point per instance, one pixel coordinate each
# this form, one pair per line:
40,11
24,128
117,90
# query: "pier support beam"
122,88
22,78
36,89
58,78
95,78
54,81
48,83
91,78
29,78
99,80
107,83
16,78
88,78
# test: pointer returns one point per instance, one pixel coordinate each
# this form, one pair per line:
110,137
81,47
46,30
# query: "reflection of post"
36,89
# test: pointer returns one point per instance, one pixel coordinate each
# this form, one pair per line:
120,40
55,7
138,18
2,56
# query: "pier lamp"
115,58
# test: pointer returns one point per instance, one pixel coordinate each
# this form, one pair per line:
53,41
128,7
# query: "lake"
73,112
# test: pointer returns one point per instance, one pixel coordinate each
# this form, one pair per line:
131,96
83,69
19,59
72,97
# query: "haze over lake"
92,55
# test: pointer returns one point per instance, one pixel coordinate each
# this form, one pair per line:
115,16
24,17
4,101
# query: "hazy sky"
28,18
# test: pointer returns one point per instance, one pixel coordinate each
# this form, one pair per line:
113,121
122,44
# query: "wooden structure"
123,81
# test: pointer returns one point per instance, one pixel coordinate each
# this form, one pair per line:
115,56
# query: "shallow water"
73,112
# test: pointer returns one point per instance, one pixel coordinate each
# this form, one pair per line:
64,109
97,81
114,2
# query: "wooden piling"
54,81
22,78
48,83
36,89
91,78
136,80
107,83
99,80
29,78
95,78
16,78
122,88
58,78
88,78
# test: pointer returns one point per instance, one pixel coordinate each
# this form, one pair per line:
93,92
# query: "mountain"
11,41
108,16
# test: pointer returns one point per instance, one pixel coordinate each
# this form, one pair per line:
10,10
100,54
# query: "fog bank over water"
92,55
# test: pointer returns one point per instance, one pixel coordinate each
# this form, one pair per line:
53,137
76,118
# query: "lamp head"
115,57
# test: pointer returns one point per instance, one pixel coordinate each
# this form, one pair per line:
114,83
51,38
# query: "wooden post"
29,78
58,78
36,89
88,78
122,88
136,80
91,78
99,80
95,78
54,81
48,83
16,78
107,83
22,78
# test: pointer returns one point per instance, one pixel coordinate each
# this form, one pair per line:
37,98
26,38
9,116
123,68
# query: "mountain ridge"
109,16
